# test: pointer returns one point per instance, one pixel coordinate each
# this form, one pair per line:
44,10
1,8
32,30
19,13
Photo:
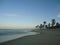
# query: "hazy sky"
28,13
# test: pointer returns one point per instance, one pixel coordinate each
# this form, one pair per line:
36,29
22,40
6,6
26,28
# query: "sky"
27,13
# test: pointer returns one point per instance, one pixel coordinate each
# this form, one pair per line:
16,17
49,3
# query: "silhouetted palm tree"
37,26
44,23
53,22
49,25
41,26
57,25
46,26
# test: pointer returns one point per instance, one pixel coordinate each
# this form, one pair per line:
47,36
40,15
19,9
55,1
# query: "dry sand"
44,38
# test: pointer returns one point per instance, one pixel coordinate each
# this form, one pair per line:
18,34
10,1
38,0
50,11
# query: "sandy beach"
44,38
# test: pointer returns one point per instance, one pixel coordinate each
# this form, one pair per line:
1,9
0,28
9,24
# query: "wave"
7,35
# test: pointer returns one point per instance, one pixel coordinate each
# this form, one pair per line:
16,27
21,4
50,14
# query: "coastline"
44,38
6,38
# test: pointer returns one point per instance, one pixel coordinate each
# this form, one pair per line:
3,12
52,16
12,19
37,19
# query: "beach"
44,38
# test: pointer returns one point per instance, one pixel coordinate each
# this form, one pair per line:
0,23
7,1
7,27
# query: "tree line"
52,25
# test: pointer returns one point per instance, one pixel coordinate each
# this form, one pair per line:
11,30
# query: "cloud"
58,15
10,15
7,14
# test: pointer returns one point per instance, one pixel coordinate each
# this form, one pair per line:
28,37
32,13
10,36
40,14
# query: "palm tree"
49,25
53,22
40,26
57,25
37,26
44,24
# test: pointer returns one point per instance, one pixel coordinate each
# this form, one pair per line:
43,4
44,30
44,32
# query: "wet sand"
44,38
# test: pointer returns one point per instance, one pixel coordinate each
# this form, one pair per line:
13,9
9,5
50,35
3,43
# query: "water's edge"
12,37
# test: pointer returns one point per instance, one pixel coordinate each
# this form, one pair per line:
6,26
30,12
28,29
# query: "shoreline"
6,38
44,38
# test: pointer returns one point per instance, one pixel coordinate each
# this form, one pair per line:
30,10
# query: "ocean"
11,34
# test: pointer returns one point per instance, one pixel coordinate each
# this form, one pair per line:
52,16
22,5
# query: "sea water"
10,34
